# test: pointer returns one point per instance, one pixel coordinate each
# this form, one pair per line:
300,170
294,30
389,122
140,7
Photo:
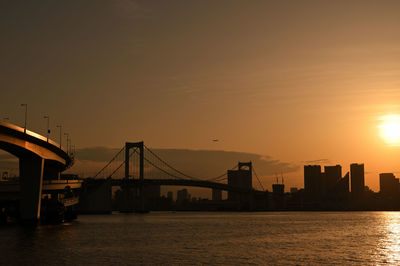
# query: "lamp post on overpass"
66,134
26,114
59,126
48,126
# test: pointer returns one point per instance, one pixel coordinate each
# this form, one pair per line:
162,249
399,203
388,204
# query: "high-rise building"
278,196
389,184
341,189
278,189
170,195
333,174
182,196
312,180
357,180
152,192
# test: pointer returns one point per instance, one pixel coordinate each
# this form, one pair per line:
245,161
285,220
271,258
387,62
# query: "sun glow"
390,129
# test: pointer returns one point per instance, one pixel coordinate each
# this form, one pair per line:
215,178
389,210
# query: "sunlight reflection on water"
389,245
287,238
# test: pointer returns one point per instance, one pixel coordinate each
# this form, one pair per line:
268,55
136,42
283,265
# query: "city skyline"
292,81
90,160
212,132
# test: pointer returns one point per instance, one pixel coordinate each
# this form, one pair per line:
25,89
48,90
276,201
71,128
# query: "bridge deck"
181,182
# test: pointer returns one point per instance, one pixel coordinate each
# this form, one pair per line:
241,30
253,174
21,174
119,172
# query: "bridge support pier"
31,180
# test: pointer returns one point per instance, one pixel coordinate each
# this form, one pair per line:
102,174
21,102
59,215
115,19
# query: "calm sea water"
275,238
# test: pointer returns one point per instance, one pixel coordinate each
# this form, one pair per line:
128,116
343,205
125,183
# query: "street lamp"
66,134
60,133
26,114
73,150
70,146
48,126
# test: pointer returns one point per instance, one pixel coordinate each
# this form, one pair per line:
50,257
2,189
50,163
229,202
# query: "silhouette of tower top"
241,165
241,178
357,180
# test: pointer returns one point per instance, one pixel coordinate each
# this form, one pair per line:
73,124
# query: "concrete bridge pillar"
31,180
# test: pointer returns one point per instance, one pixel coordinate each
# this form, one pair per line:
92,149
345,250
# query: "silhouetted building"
278,196
341,189
389,184
216,194
182,196
293,190
333,174
241,178
312,181
170,195
325,187
278,189
357,180
152,192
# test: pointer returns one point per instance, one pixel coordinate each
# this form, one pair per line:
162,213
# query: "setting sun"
390,129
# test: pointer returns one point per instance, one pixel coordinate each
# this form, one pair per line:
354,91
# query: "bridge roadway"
181,182
20,144
39,159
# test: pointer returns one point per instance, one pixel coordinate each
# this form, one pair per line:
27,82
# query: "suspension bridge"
136,166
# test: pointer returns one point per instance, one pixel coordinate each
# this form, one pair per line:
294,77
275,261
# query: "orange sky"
295,80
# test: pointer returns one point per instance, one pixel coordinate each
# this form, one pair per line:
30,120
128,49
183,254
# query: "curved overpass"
20,144
39,159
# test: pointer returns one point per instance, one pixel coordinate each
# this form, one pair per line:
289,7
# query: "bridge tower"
241,178
128,146
128,190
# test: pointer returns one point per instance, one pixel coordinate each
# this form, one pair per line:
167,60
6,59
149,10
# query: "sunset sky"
298,81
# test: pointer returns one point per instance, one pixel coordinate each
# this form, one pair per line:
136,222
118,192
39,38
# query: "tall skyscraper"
333,174
341,190
170,195
312,180
357,180
389,184
182,196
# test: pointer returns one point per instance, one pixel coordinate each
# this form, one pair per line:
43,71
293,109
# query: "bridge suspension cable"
254,171
123,162
217,178
153,162
224,175
168,165
109,163
162,170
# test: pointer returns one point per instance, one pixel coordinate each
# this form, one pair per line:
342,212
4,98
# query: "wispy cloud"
318,161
